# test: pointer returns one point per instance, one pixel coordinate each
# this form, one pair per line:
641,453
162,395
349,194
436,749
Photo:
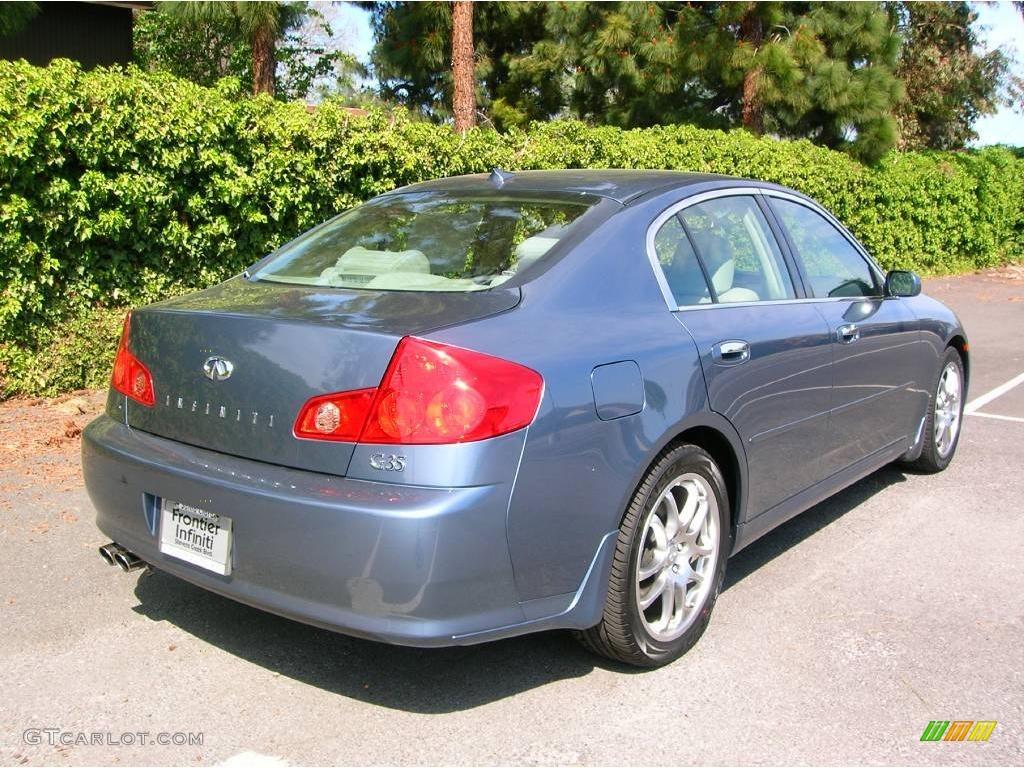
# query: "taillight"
431,394
335,417
130,376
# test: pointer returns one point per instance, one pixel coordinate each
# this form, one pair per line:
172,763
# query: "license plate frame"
196,535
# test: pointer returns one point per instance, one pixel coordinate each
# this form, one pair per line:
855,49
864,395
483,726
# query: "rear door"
765,354
875,342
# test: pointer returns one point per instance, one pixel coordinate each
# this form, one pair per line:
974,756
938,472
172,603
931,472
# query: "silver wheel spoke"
690,507
696,525
668,602
671,515
695,576
696,549
658,561
654,591
657,529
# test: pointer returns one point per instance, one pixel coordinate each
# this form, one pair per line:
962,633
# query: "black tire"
931,459
622,635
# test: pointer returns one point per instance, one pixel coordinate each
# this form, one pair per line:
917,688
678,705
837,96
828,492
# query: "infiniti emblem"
218,368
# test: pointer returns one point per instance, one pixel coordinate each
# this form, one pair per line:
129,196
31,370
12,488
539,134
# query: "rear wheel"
669,562
945,414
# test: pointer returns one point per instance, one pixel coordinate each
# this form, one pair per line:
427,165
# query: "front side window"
427,241
742,259
834,267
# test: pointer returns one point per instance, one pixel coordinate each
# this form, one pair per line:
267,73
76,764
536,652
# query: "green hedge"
121,187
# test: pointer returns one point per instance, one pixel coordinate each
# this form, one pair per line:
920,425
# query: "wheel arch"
959,343
714,434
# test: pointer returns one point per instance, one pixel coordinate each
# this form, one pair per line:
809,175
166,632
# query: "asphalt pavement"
837,638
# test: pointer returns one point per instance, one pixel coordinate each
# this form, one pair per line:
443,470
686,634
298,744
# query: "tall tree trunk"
752,34
263,60
464,101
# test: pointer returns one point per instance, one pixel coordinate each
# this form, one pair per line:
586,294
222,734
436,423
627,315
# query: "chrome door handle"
847,334
731,352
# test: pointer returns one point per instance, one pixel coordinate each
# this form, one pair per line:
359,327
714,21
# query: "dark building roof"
91,33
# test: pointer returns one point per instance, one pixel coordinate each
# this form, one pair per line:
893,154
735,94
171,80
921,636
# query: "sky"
1001,21
1005,27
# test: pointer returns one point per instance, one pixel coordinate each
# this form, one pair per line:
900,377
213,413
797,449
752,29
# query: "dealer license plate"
196,536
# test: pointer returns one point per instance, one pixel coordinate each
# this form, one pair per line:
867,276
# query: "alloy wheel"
947,409
678,556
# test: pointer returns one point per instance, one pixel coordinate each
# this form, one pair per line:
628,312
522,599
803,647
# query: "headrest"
531,249
718,258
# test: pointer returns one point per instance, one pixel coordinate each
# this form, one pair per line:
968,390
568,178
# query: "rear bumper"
402,564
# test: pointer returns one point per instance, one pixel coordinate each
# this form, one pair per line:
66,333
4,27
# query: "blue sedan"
496,404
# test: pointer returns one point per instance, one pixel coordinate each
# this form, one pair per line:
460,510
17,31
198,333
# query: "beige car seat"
721,266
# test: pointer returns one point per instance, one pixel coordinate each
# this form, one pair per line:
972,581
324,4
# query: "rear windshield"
427,241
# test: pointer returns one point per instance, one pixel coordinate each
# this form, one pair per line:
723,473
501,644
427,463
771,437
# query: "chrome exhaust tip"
109,552
128,561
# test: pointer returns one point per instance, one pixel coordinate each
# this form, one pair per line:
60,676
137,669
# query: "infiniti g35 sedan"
496,404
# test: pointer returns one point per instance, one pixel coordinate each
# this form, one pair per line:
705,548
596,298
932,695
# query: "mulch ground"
40,442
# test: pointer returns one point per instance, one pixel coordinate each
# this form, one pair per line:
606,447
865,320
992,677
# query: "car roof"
615,184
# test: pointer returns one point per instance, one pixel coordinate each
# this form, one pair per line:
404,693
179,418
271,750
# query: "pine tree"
827,71
616,62
823,71
411,58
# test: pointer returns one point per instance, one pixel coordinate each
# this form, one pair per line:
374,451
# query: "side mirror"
901,282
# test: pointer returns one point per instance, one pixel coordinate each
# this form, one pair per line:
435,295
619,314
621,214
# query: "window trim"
708,282
790,257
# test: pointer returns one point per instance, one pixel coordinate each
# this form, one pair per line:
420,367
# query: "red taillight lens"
130,376
335,417
431,394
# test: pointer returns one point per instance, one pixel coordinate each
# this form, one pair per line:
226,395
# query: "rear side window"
742,259
427,242
679,264
834,267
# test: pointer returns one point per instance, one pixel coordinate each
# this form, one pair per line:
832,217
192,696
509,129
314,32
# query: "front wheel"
669,562
945,413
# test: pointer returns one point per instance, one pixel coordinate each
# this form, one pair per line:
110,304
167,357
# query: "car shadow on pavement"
421,680
806,524
439,680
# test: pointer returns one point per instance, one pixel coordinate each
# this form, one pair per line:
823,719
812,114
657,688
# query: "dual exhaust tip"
115,554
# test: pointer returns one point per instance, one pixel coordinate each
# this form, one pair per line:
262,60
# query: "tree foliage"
412,56
950,82
205,42
830,72
125,187
15,15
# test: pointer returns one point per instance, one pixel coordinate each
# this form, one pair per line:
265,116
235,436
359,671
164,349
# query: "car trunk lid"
282,345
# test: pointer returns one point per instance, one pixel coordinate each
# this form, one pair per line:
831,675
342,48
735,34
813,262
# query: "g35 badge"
389,462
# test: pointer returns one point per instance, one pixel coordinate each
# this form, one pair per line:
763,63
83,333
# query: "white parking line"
988,397
996,416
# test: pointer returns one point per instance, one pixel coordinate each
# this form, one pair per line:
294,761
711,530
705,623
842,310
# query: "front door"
876,350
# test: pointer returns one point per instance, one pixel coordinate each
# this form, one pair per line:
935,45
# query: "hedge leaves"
119,187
